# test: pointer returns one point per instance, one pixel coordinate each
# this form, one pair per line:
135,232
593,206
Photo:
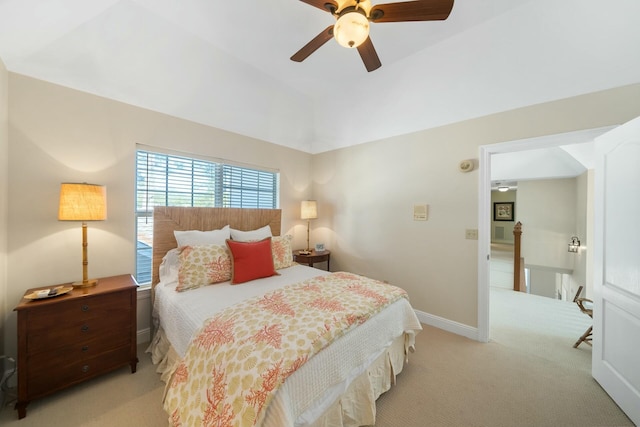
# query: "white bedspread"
317,384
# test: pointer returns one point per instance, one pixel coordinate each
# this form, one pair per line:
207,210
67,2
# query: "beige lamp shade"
82,202
309,209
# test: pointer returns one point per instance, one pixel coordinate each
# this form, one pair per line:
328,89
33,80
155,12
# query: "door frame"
484,205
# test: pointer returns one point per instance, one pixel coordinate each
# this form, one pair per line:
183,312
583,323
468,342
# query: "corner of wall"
4,190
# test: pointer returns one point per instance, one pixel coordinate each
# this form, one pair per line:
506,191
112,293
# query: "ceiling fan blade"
313,45
326,5
369,55
420,10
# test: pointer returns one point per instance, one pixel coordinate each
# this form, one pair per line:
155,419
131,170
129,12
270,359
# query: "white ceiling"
226,63
558,156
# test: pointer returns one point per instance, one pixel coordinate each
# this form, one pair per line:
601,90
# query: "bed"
353,358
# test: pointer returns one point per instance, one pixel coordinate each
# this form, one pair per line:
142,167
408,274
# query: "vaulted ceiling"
226,63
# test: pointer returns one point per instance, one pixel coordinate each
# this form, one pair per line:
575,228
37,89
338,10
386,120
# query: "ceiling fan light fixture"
351,29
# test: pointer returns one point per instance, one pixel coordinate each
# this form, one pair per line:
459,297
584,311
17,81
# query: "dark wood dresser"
70,338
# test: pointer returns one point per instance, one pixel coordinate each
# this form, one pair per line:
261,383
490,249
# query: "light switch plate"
471,234
420,212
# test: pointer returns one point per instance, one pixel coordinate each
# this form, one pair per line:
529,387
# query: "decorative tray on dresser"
70,337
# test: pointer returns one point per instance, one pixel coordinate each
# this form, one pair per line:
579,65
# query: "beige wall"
547,210
57,134
365,195
4,189
551,211
554,211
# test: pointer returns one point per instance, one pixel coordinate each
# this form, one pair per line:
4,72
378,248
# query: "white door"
616,287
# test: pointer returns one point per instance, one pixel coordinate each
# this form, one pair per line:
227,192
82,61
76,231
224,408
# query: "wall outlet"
471,234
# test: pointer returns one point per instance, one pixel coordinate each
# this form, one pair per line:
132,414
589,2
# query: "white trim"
144,292
143,335
547,141
447,325
484,243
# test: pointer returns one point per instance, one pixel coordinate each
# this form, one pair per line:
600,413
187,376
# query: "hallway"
531,323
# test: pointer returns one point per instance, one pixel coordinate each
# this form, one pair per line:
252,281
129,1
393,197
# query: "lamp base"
83,284
304,252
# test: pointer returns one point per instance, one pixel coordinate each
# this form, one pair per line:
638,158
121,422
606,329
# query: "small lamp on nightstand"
83,202
308,211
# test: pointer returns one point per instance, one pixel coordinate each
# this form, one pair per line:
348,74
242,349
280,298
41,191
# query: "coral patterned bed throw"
238,359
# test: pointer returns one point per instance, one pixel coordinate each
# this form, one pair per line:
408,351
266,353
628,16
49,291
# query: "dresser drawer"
59,335
51,357
79,310
42,380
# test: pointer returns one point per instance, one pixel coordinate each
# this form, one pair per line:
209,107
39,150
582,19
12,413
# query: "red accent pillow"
250,260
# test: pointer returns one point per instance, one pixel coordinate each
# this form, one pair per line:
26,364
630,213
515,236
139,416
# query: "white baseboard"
143,335
448,325
144,293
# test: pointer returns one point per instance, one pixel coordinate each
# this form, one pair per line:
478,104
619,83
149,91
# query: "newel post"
518,279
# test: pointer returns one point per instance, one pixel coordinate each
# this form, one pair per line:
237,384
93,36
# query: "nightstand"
312,258
70,338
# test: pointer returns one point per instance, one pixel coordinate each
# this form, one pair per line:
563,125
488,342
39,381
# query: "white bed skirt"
356,405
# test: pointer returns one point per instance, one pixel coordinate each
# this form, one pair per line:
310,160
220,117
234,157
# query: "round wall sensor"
466,166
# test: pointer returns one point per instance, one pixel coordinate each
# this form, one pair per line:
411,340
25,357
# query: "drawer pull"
85,369
84,307
85,348
85,328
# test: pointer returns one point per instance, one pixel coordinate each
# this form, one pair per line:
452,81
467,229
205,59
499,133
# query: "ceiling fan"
351,29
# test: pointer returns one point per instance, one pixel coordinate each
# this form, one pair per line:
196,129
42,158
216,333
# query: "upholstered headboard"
167,219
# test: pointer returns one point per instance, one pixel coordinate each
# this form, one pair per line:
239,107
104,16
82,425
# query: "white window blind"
173,180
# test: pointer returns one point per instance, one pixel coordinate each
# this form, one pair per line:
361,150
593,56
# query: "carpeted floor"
454,381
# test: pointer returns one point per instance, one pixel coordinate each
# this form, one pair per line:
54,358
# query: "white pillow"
168,270
199,238
251,236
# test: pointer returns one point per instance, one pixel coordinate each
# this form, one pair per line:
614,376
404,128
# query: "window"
172,180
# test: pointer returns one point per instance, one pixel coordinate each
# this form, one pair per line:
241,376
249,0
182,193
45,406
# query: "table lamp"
308,211
83,202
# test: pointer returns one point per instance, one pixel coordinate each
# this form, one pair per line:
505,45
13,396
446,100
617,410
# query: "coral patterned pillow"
203,265
281,249
250,260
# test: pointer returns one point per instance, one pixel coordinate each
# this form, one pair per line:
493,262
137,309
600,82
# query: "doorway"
484,207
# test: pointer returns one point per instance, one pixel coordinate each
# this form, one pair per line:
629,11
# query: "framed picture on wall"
503,211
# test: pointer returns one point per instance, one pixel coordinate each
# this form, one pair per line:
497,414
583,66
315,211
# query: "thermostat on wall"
420,212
